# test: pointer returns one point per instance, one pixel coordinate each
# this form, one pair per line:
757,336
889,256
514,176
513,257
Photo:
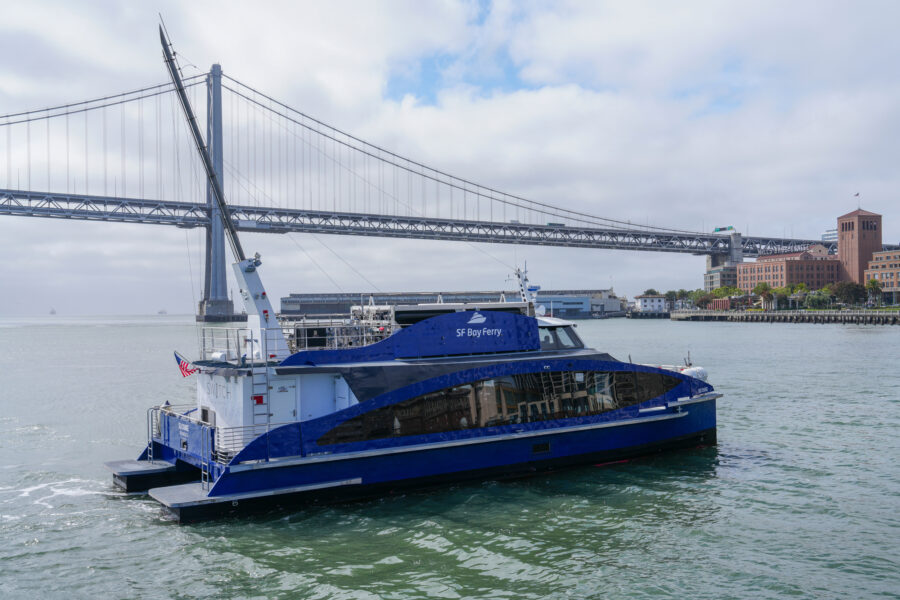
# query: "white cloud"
767,116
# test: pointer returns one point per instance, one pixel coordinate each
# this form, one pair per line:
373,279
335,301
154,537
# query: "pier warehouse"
568,304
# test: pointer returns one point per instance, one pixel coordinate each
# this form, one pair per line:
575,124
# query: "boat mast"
201,148
264,326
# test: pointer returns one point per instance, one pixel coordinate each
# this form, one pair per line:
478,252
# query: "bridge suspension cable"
275,155
51,112
132,146
439,177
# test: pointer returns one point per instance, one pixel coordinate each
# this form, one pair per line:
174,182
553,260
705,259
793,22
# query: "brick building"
859,237
813,266
885,267
719,304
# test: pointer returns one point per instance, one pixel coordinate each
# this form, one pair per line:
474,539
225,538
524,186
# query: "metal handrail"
179,410
229,344
231,440
237,344
154,429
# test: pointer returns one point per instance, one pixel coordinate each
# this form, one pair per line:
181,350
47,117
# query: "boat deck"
190,500
135,476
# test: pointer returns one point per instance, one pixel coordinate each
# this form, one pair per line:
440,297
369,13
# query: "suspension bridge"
128,158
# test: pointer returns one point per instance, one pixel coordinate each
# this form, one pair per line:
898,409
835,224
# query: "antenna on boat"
201,147
528,293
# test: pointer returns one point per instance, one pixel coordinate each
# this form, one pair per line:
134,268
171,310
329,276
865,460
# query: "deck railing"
231,440
186,412
332,334
235,344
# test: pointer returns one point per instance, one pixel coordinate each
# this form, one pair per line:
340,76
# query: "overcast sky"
768,116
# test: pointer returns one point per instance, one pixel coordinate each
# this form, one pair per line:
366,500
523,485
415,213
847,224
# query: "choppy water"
801,498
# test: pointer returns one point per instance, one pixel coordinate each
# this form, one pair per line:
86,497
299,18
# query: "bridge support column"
721,269
215,305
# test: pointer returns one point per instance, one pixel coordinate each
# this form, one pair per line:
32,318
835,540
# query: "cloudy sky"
768,116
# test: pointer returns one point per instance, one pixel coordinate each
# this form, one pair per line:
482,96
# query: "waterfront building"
721,276
859,237
813,267
565,306
650,303
579,304
830,235
719,304
319,304
570,304
605,302
885,267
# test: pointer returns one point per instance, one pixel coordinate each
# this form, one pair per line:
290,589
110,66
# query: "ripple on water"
797,500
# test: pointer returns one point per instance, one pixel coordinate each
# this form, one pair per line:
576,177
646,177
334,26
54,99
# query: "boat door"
283,401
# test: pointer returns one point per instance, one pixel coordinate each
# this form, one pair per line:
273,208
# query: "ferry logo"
477,319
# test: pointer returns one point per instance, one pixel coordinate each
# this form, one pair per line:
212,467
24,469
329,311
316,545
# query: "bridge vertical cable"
284,171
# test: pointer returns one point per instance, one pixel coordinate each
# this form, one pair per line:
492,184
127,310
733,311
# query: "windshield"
559,338
567,338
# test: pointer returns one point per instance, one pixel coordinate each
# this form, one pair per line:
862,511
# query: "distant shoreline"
857,317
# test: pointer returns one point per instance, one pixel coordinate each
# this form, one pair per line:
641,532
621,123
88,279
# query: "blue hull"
294,483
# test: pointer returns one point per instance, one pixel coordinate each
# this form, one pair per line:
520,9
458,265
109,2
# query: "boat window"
548,338
509,400
559,338
567,338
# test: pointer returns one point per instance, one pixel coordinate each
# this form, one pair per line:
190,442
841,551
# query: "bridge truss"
285,220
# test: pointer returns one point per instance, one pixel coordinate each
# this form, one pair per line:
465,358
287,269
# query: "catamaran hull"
297,483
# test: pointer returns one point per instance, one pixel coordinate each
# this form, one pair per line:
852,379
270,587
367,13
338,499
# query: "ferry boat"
461,395
458,393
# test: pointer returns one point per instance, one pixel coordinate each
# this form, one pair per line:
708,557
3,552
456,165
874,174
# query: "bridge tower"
215,305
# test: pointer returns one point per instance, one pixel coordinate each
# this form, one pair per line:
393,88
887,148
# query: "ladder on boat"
259,393
152,425
206,450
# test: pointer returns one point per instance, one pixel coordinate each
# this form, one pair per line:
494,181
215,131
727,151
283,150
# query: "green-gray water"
801,498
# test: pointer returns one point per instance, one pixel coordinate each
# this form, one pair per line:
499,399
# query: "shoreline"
854,317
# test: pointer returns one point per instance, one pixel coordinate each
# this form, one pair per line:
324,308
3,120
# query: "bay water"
800,498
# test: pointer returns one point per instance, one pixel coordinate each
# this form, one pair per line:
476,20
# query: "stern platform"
138,476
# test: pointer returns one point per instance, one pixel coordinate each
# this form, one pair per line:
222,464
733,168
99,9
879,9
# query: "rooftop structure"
830,236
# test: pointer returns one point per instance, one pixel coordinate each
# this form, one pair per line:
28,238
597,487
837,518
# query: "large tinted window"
506,400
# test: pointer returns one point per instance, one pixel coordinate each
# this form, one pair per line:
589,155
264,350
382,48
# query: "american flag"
184,366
